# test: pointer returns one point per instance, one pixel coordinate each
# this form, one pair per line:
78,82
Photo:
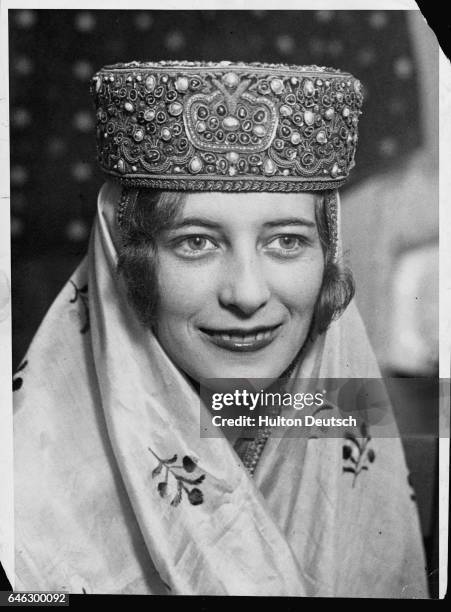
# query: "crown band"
226,126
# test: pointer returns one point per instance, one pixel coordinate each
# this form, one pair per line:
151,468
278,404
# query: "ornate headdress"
226,126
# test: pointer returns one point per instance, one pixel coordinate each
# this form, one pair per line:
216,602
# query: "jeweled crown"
226,126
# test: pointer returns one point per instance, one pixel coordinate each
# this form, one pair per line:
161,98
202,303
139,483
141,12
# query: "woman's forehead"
249,207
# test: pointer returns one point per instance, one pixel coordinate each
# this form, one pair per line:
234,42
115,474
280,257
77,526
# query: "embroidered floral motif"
326,406
81,293
189,464
17,380
321,408
356,453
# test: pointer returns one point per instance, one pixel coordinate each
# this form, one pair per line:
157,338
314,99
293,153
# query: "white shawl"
100,401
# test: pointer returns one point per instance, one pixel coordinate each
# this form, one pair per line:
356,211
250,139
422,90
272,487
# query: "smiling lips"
242,340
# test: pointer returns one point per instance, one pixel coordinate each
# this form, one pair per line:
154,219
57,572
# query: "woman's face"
238,279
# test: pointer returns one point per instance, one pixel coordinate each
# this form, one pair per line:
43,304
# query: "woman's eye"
287,245
195,245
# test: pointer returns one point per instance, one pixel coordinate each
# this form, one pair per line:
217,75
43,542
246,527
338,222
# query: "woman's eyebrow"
203,222
198,221
290,221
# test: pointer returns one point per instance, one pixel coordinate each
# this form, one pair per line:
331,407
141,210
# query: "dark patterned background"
53,54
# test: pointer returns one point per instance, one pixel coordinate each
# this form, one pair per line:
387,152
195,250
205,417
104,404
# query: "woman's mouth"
242,340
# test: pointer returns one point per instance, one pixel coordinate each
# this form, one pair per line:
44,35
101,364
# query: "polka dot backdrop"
53,54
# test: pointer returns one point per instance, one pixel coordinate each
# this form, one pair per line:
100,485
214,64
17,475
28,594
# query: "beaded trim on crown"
226,126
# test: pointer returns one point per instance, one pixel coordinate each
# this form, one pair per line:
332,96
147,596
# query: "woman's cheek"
298,286
184,288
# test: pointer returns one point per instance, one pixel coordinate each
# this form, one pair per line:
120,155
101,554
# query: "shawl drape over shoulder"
104,425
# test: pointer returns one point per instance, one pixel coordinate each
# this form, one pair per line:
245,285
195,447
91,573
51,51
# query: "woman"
117,491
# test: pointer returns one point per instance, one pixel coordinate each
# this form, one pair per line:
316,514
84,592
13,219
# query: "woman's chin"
265,374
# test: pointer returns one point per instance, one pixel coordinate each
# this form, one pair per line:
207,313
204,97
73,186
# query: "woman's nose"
243,286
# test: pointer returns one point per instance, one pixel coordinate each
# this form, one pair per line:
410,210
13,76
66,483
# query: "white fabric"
89,516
